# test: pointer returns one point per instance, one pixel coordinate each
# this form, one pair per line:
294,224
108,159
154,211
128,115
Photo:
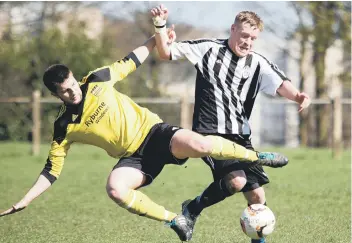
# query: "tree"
25,55
303,33
330,20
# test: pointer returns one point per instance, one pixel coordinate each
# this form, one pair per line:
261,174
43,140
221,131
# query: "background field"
310,197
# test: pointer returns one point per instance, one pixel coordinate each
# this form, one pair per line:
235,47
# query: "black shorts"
255,174
154,153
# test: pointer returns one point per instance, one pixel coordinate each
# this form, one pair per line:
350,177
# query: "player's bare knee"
116,192
235,183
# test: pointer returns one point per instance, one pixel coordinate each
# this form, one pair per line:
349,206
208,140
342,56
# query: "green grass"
310,198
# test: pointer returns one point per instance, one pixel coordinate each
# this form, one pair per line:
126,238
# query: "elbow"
164,56
283,87
48,176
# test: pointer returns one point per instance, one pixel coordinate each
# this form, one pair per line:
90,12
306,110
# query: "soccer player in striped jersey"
229,77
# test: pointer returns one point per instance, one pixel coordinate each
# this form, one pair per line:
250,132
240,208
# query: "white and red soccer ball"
257,221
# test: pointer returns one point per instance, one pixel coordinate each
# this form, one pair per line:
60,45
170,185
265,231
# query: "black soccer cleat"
191,218
180,226
274,160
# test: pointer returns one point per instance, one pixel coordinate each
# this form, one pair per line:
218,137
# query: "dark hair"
55,74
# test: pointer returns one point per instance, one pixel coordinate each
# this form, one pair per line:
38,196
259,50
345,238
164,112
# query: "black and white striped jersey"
226,85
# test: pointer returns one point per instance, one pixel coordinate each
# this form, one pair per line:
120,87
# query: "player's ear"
233,27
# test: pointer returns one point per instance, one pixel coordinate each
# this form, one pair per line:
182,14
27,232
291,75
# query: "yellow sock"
225,149
138,203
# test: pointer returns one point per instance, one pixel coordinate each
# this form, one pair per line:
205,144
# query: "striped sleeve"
271,77
193,50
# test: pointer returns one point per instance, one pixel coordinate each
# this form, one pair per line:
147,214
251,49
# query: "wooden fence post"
36,122
185,113
337,127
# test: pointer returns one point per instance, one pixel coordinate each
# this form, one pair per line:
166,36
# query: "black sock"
216,192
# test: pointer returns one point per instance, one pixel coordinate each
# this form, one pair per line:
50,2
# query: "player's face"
69,91
242,38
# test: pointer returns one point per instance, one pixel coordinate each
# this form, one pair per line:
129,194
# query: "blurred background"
310,41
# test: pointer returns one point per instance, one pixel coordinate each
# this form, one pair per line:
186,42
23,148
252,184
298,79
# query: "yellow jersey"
105,118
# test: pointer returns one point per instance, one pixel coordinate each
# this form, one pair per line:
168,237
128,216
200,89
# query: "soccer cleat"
262,240
270,159
180,226
191,218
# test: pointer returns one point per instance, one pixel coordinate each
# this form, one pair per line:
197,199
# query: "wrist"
159,25
160,30
297,98
18,206
22,204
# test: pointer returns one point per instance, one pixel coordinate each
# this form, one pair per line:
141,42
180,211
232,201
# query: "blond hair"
251,18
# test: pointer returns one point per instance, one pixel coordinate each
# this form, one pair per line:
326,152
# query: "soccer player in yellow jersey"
95,113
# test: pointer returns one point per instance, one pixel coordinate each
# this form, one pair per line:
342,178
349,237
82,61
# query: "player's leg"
253,190
217,192
148,161
229,178
256,196
121,186
186,143
235,180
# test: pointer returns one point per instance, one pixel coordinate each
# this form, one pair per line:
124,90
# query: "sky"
279,17
217,15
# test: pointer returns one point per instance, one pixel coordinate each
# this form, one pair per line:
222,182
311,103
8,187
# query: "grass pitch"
311,198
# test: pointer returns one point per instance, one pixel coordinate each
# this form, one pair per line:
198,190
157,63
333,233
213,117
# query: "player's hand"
160,11
303,100
171,34
14,209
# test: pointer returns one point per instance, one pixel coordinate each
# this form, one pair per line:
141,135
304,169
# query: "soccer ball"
257,221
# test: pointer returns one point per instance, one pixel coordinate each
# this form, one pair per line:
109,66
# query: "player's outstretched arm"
134,59
41,185
290,92
162,36
143,51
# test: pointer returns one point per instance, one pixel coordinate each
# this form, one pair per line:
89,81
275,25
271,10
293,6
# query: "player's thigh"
186,143
255,196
